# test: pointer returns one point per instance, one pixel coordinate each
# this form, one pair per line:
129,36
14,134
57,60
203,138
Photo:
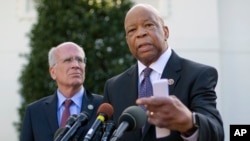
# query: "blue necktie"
146,88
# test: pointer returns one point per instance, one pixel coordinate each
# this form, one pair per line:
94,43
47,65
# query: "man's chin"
77,83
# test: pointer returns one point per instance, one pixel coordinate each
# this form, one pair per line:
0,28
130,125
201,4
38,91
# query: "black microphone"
57,134
61,131
98,134
104,112
109,127
132,118
82,119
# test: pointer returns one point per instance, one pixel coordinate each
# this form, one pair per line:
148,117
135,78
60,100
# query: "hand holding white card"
160,88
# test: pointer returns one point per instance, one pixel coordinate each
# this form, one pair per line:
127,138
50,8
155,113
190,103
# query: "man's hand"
167,112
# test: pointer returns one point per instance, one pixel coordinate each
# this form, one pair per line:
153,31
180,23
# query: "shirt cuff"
193,137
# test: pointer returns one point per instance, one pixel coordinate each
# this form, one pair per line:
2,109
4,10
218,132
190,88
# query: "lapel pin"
90,107
170,81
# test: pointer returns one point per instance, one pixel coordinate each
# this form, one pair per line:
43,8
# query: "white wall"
235,56
13,42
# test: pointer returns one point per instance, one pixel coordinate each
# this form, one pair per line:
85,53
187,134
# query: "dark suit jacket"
40,120
194,85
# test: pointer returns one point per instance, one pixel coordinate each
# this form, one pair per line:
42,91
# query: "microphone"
132,118
98,134
58,133
82,119
104,112
61,131
109,127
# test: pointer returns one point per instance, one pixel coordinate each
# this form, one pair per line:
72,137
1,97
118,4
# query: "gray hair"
52,55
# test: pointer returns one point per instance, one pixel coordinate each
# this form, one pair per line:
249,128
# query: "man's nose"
141,32
75,62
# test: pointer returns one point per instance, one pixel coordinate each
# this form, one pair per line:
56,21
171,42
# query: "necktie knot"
147,71
67,103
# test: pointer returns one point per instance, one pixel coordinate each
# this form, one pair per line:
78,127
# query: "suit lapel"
50,110
171,71
88,105
132,85
131,94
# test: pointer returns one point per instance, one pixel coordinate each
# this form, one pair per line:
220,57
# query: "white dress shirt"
75,107
156,74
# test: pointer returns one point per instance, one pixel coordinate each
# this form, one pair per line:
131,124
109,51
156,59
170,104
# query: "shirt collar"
159,64
77,98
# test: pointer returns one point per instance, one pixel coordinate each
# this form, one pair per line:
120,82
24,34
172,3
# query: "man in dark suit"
43,117
189,112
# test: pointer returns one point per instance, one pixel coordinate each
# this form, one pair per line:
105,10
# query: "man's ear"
52,72
166,32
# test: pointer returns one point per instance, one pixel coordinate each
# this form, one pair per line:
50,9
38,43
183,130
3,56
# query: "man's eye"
149,25
131,30
68,60
79,60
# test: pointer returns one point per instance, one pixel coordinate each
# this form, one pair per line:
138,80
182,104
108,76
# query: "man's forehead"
144,17
69,51
142,8
140,12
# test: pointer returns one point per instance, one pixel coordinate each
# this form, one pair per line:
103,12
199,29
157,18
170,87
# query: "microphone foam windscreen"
106,109
135,116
